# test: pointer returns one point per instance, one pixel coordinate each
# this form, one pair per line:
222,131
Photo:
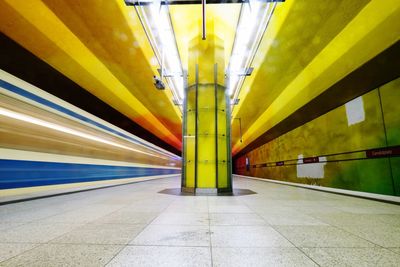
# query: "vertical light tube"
216,121
196,127
184,130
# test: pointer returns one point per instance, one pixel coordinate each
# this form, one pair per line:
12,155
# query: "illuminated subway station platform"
199,133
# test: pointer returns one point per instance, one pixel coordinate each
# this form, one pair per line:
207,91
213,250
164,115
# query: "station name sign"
311,160
383,152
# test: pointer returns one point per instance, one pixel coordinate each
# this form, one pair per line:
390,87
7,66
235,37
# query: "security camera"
158,83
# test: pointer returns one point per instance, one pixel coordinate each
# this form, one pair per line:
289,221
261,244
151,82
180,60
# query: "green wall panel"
339,139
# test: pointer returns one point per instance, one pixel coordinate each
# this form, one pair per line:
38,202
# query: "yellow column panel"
206,97
206,149
189,138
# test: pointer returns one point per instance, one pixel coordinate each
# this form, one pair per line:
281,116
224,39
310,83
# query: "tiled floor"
133,225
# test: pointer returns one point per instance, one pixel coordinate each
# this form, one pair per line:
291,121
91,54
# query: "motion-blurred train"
49,144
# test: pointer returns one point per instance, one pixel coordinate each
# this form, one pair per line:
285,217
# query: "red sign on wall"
311,160
383,152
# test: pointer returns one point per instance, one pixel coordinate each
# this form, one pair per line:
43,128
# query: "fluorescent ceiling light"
26,118
253,21
156,21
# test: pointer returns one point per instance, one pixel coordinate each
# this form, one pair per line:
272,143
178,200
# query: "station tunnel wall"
354,147
46,141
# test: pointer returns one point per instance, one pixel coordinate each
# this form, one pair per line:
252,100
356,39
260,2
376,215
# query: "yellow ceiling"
308,46
101,45
186,20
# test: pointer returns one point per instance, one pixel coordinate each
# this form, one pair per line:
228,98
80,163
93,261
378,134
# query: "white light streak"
29,119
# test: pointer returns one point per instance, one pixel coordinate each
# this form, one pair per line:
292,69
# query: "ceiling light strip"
253,22
156,21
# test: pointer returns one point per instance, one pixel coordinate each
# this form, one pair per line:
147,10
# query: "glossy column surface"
206,131
133,225
212,138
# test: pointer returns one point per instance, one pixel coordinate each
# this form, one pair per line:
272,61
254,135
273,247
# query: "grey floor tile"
236,219
321,236
29,215
191,208
216,200
152,203
319,209
9,225
293,218
272,209
247,236
173,235
76,216
225,208
353,256
181,218
390,219
36,232
352,219
126,216
397,250
117,234
65,255
386,236
191,200
258,257
375,208
162,256
9,250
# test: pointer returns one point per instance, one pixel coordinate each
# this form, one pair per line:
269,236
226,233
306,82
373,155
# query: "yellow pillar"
206,133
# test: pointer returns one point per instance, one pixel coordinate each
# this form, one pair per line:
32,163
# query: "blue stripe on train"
21,173
38,99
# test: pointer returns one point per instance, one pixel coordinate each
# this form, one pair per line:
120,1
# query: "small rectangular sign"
311,160
383,152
